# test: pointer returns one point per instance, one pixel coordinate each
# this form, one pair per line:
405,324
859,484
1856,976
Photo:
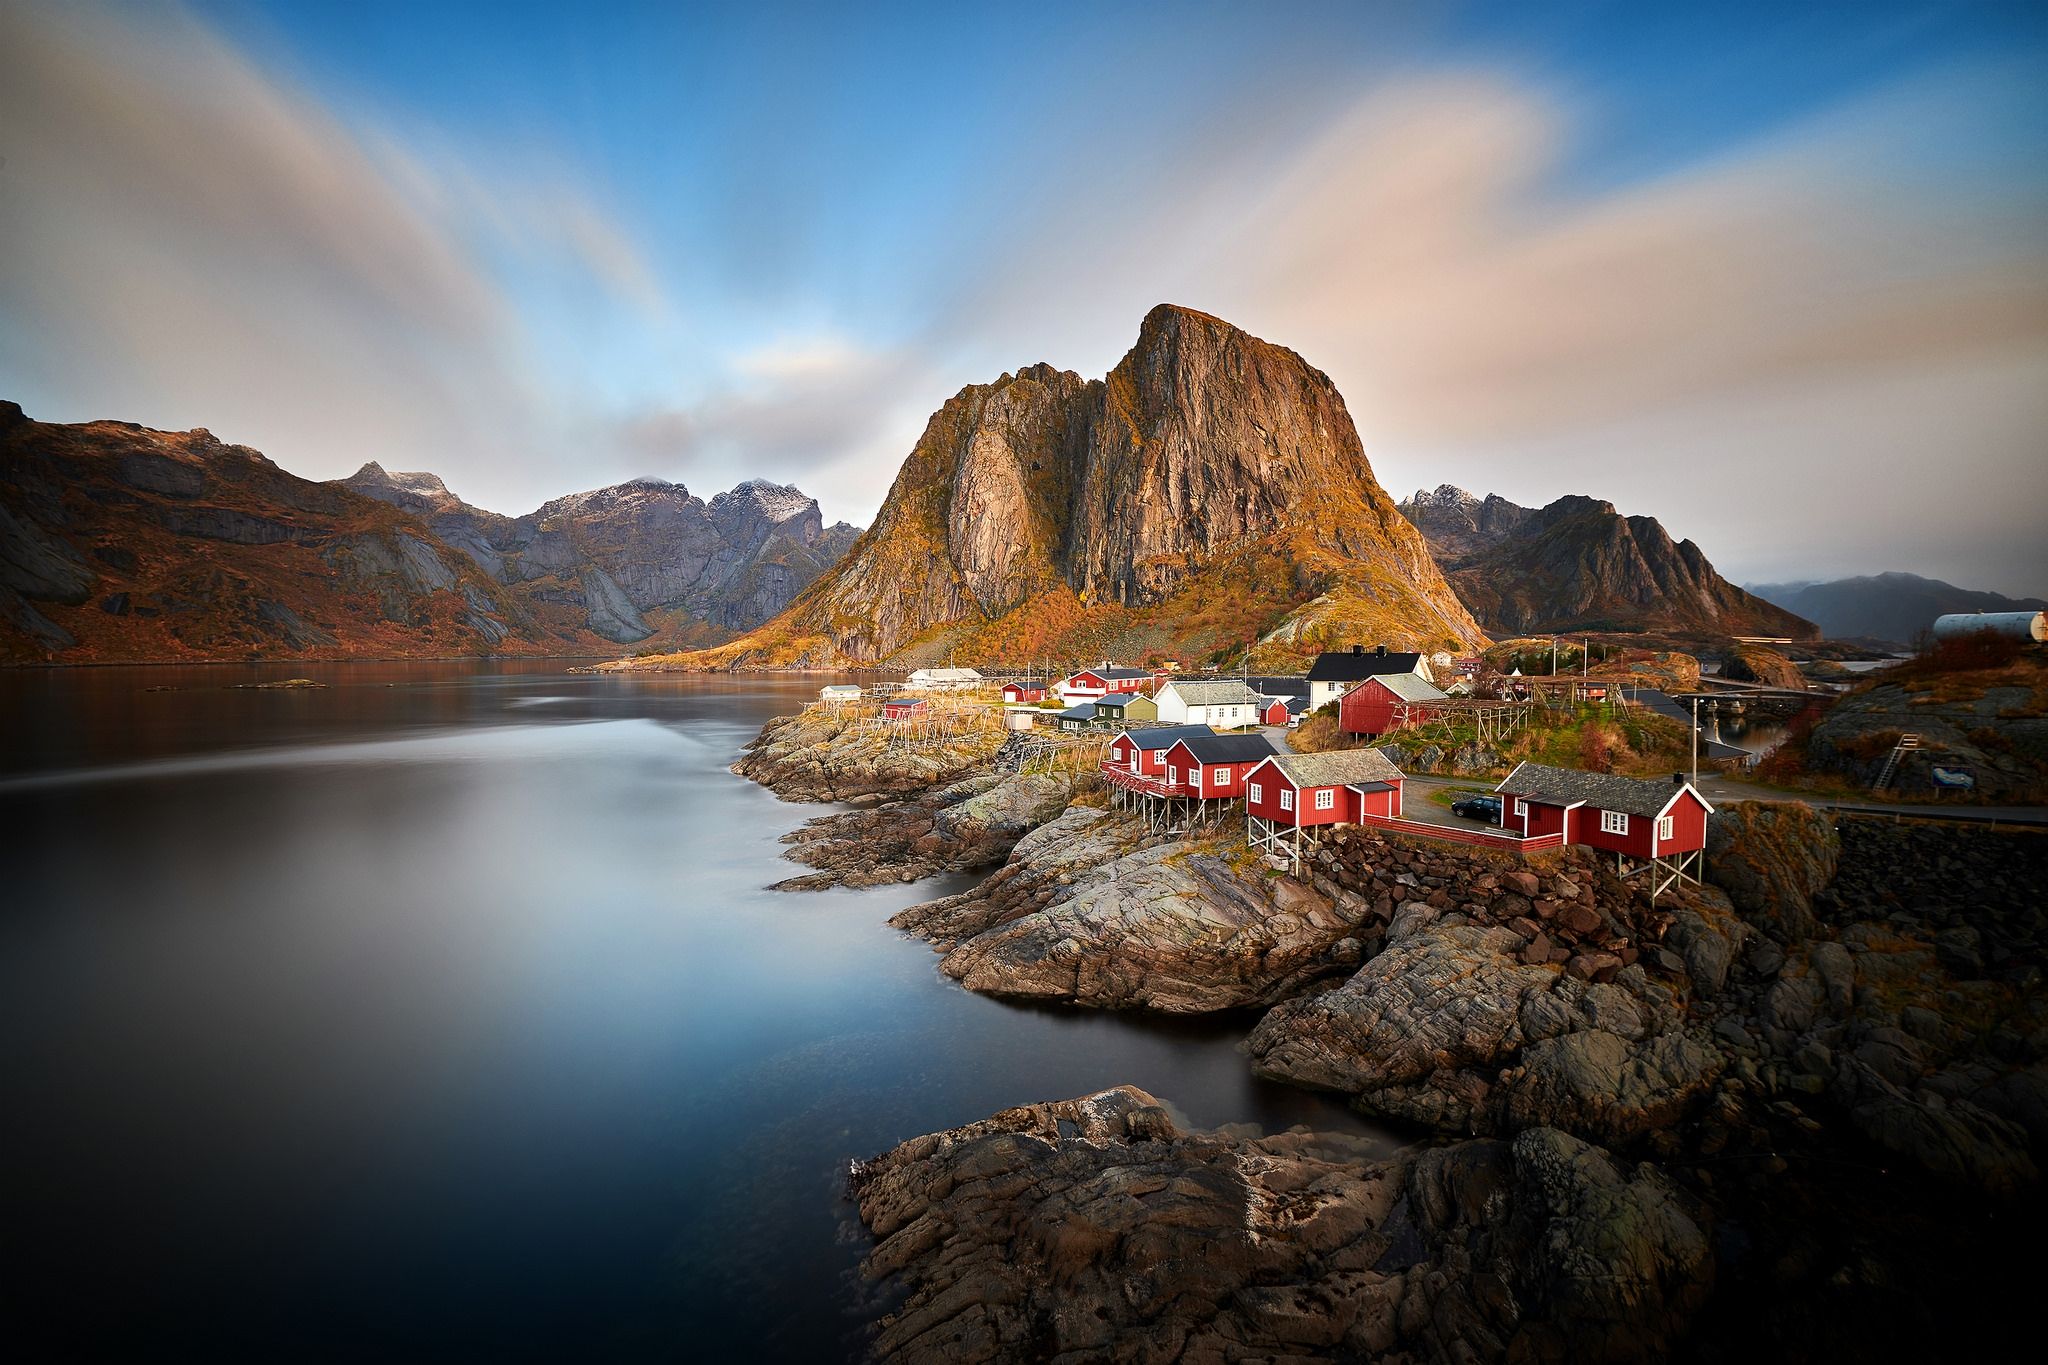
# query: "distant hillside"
122,543
1886,606
1210,489
644,557
1578,564
125,543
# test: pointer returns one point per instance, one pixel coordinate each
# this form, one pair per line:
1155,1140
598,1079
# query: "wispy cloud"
190,242
191,239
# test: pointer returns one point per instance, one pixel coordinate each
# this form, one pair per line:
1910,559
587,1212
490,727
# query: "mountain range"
646,555
1209,490
1577,564
1893,607
118,542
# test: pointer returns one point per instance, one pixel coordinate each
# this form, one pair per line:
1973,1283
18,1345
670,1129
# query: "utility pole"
1695,741
1553,656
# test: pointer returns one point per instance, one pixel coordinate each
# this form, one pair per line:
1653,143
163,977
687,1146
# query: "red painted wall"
1181,765
1371,708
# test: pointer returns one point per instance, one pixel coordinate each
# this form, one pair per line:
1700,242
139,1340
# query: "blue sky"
1713,262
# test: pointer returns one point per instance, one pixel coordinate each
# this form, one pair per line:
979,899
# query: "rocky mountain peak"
1578,564
775,501
1446,497
1204,443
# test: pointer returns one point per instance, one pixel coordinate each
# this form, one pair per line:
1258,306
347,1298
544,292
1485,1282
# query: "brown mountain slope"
121,543
1210,491
1578,564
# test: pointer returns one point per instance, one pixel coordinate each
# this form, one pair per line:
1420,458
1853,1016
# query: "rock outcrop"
1093,910
1043,507
1991,722
962,827
840,755
1579,565
1097,1229
1757,664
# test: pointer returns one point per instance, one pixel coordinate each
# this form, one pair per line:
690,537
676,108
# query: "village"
1200,753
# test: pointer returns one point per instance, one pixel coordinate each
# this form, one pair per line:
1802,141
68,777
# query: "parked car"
1482,808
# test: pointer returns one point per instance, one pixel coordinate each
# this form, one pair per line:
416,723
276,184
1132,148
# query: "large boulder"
1096,1229
1450,1028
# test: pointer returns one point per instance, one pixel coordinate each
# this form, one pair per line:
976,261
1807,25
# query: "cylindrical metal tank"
2017,625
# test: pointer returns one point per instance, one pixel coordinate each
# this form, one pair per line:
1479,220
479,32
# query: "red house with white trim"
1023,693
903,708
1144,751
1383,704
1290,794
1661,825
1323,789
1091,683
1212,767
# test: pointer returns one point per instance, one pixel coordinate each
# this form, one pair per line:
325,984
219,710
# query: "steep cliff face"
638,557
126,543
1578,564
1211,489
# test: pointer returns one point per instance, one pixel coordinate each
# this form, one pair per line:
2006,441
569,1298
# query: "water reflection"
441,1009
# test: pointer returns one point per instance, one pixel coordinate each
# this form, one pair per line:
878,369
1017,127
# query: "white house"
1227,705
1335,673
942,680
838,694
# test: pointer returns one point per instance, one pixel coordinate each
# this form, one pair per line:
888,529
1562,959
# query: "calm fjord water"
441,1011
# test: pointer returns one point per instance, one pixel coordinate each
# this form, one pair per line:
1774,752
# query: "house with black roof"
1337,672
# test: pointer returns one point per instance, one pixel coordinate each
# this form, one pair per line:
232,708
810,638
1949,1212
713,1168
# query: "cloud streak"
186,239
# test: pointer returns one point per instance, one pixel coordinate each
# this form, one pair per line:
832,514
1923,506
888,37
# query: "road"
1718,789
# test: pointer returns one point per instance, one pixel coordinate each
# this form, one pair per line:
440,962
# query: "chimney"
1678,779
1379,651
1358,649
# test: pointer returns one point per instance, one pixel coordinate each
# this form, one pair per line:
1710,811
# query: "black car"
1483,808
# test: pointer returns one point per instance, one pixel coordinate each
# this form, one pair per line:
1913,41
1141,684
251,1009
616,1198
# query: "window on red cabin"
1614,822
1326,800
1220,776
1256,791
1521,806
1286,799
1666,826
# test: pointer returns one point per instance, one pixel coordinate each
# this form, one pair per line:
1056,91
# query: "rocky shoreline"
1631,1097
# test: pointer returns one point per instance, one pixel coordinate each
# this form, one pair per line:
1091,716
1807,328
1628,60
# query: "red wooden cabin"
1381,705
1299,790
1144,751
1090,683
903,708
1212,767
1023,694
1662,825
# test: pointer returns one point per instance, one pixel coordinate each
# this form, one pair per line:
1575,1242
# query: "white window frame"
1614,822
1521,805
1666,827
1326,799
1287,798
1219,777
1257,791
1198,775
